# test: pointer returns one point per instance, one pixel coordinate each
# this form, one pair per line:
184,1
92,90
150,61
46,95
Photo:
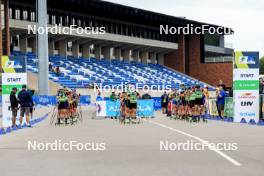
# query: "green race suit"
113,97
193,96
198,94
62,97
133,98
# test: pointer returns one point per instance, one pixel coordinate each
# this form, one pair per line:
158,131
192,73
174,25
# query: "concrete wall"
32,80
94,93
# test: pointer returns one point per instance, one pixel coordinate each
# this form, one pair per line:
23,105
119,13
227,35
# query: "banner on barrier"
145,108
51,100
13,75
44,100
246,86
212,107
108,108
157,103
262,106
112,108
101,109
229,107
85,100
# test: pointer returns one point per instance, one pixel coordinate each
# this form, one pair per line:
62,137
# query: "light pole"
42,45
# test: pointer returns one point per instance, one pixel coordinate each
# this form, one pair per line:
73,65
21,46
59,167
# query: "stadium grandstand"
201,113
131,50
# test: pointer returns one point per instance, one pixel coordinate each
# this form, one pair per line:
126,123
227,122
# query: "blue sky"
246,17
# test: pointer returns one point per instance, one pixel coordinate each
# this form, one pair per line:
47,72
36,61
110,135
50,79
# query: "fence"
51,100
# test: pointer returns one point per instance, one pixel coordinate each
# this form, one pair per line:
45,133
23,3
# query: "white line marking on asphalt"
201,140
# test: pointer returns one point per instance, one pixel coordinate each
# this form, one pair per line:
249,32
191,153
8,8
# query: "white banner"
246,86
246,74
14,78
101,108
246,105
13,75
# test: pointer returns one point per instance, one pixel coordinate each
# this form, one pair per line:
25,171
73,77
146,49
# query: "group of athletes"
128,102
187,103
67,100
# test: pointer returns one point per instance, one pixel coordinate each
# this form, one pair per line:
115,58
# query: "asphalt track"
134,149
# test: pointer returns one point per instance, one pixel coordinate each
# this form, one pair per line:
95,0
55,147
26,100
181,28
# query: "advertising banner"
108,108
13,75
212,107
113,108
229,107
101,109
157,103
45,100
246,86
85,99
262,106
145,108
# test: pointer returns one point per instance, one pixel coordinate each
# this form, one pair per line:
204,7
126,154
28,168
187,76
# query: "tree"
262,65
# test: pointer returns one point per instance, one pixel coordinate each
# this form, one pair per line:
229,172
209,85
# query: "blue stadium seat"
81,72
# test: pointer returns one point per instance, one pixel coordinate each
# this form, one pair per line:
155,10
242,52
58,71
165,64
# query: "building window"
212,39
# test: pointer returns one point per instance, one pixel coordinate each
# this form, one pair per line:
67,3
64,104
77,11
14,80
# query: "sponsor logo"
145,108
13,64
43,100
247,103
247,60
247,95
114,108
247,114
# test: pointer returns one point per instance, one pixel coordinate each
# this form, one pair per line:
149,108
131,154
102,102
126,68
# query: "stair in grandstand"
82,72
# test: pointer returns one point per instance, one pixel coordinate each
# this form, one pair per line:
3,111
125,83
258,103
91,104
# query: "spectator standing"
146,96
222,85
25,101
164,102
206,98
99,97
32,92
261,84
220,101
14,105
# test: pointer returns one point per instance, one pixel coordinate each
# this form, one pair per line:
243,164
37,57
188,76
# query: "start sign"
246,86
13,75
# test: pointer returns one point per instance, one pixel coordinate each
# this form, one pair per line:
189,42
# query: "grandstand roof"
112,11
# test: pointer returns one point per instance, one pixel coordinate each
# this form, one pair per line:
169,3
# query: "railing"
218,59
229,45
